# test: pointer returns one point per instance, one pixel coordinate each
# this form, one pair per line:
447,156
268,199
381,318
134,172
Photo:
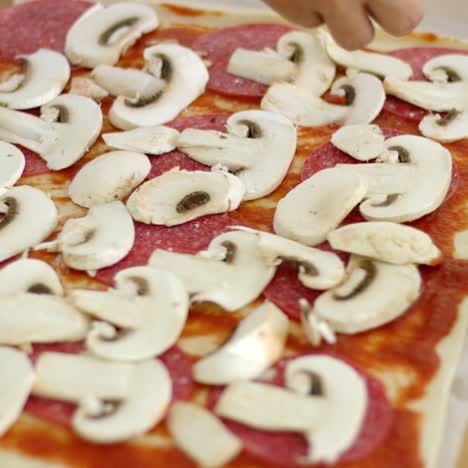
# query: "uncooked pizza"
226,243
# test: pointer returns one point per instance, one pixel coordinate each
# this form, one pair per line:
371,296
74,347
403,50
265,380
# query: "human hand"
350,20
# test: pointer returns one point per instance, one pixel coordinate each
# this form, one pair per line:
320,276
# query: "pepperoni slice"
218,47
35,165
30,26
416,57
189,237
288,448
58,412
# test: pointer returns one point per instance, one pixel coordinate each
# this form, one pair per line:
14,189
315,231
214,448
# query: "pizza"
225,241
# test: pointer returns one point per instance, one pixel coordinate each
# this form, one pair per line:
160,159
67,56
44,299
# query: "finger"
301,13
350,26
397,17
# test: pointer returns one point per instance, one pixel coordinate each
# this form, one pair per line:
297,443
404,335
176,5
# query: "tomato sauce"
407,345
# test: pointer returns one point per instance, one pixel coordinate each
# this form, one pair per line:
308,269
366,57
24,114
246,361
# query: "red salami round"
189,237
218,47
176,361
287,448
30,26
35,165
416,57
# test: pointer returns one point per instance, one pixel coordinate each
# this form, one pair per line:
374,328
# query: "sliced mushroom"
387,242
30,216
317,269
315,329
259,146
185,77
202,436
336,384
449,68
176,197
152,302
101,35
100,239
68,126
229,273
29,276
269,407
373,294
44,76
362,142
145,405
263,66
453,126
75,377
364,95
318,205
17,380
39,318
12,164
256,344
424,173
83,86
380,65
150,140
111,176
128,82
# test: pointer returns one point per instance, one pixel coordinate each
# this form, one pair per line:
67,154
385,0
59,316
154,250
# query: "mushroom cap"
30,217
111,176
100,239
100,35
12,164
176,196
45,75
256,344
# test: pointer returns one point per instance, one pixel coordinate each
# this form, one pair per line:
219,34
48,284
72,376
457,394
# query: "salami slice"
287,448
30,26
58,412
416,57
218,47
35,165
189,237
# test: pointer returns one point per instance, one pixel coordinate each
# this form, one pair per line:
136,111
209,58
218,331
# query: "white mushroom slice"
318,205
128,82
362,142
450,68
101,35
185,77
75,377
45,74
258,145
229,273
387,242
68,126
262,66
315,71
83,86
30,216
100,239
148,398
39,318
378,64
446,129
150,140
315,329
152,302
364,94
111,176
429,173
29,276
202,436
270,407
12,164
373,294
317,269
256,344
336,384
17,380
176,197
